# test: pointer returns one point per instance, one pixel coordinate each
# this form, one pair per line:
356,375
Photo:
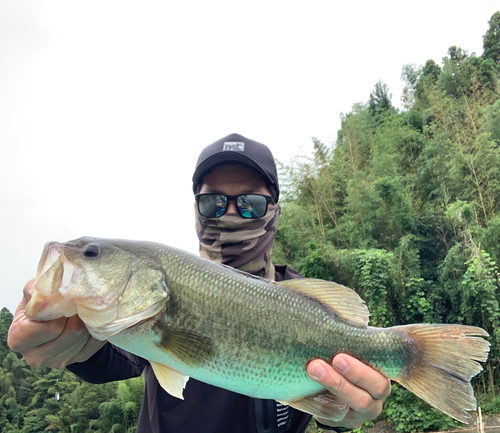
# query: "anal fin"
321,405
171,380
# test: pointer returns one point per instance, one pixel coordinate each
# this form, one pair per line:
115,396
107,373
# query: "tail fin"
445,361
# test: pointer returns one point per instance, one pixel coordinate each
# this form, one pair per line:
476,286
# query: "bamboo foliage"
415,200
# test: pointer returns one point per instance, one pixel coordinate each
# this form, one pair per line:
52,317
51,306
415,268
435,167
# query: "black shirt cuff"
333,429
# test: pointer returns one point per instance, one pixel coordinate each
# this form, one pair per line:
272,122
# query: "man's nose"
231,207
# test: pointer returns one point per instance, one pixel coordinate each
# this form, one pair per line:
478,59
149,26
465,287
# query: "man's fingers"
365,377
78,343
353,382
25,333
78,349
64,357
73,334
54,342
27,292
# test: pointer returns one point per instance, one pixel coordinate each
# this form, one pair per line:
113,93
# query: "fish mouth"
54,277
58,293
63,288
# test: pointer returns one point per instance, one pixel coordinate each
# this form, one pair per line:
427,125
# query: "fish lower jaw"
51,298
44,308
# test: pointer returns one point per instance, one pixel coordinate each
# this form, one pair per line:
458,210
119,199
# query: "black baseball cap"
237,148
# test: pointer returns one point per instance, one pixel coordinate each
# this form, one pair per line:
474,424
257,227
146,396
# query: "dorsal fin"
344,302
171,380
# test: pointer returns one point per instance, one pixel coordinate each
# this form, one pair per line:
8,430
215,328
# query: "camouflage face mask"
245,244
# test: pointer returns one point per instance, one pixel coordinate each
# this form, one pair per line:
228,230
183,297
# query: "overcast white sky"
105,105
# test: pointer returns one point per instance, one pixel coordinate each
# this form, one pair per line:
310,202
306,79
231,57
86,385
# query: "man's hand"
361,387
55,343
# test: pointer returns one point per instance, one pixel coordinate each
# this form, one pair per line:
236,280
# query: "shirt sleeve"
333,429
110,363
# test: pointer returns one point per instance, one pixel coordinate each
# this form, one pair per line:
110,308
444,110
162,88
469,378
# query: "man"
237,191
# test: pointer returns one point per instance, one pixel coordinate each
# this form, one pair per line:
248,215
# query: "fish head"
111,284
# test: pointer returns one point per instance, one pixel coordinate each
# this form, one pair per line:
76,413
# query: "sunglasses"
248,205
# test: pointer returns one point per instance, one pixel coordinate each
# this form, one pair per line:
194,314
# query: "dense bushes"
405,208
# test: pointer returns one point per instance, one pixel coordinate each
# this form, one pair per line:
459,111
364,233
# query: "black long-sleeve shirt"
205,408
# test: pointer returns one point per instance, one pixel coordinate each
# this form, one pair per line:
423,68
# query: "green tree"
452,79
404,207
380,100
5,321
491,40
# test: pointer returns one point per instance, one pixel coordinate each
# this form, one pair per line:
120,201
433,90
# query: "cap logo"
234,146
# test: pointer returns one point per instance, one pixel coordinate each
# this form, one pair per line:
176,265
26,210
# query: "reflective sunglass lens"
252,206
212,205
248,205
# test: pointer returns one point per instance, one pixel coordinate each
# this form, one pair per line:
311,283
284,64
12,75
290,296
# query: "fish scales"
192,317
265,333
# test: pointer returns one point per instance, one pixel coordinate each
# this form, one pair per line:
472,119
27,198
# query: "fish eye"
91,251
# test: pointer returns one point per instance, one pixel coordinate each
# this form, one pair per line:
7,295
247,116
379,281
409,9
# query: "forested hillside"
404,207
36,400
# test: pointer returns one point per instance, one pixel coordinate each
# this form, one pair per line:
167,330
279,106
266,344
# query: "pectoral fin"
171,381
322,405
185,344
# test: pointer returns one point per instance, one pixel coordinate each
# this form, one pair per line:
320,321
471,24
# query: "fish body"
192,317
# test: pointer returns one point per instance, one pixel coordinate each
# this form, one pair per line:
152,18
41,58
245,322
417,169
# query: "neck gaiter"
241,243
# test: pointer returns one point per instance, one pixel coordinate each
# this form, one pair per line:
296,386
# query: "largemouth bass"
190,317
